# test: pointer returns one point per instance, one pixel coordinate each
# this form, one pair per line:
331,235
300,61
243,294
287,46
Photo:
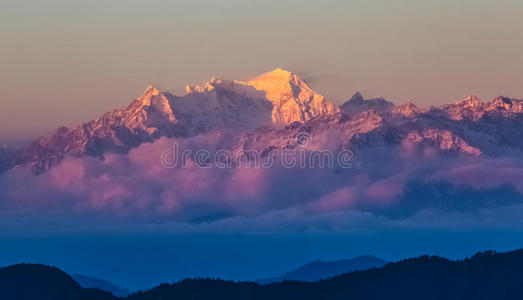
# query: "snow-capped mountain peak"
292,99
210,85
150,91
279,85
470,101
151,105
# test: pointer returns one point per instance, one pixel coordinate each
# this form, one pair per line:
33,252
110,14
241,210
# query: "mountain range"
318,270
312,271
270,110
486,275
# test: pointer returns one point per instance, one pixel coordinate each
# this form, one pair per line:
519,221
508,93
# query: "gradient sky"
63,62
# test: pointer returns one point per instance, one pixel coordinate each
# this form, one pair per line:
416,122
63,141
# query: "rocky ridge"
270,110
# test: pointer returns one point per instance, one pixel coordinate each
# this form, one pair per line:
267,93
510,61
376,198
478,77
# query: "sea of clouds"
405,186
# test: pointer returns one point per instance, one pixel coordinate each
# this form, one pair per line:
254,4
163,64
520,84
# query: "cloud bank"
398,187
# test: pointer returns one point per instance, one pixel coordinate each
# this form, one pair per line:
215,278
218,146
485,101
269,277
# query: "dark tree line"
486,275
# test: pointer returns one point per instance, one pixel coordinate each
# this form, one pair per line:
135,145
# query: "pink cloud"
384,191
342,199
485,174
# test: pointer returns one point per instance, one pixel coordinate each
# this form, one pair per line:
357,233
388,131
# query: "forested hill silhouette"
486,275
39,282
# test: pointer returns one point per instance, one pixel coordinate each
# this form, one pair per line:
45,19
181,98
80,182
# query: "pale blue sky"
65,62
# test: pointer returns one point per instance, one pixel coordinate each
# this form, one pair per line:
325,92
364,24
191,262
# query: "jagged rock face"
407,110
443,140
469,108
145,119
505,107
269,111
472,108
